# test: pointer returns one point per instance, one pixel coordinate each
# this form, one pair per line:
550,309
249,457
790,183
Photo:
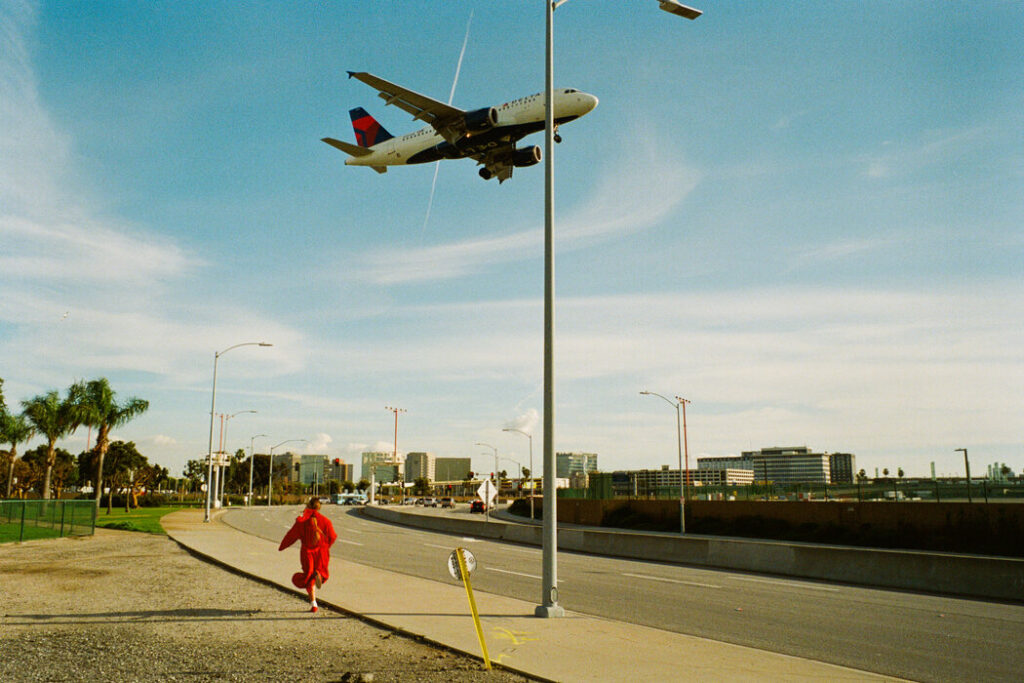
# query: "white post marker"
461,564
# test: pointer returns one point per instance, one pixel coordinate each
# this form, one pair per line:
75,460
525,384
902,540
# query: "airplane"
486,135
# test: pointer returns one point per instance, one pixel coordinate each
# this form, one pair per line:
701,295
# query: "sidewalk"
574,648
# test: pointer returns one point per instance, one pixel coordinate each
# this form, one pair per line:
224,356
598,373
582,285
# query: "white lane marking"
507,571
442,547
788,584
660,578
342,540
469,539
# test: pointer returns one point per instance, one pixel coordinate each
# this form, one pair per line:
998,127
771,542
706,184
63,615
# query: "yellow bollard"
464,573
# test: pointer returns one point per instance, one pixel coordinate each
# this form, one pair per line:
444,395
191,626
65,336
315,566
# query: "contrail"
455,81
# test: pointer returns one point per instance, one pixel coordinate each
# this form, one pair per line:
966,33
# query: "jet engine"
527,156
480,120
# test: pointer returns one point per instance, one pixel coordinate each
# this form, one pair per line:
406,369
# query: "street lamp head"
265,344
680,10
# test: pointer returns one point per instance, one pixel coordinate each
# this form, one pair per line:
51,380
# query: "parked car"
430,502
477,506
447,502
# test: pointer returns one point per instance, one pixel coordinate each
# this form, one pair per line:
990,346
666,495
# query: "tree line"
48,469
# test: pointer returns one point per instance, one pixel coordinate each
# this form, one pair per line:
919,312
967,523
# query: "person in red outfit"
317,535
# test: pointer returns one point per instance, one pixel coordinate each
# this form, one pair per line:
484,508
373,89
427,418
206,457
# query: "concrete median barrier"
944,573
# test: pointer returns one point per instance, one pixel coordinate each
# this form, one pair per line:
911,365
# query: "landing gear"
486,174
557,138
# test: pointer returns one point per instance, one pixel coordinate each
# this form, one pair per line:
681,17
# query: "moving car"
447,502
477,506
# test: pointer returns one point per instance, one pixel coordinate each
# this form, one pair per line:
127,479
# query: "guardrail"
25,520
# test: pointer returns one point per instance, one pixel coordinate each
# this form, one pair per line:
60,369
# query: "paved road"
902,634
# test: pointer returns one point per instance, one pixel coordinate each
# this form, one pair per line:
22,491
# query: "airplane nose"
589,102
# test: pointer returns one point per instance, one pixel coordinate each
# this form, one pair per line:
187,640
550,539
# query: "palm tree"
54,419
98,408
14,429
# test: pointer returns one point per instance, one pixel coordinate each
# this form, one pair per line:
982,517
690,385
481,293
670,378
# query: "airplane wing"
446,119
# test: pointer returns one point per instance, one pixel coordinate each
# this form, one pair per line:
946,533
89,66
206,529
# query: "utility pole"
394,457
967,466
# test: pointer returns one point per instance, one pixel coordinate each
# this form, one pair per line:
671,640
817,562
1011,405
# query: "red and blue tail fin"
368,131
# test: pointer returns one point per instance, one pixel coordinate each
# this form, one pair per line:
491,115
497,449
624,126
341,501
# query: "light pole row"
213,412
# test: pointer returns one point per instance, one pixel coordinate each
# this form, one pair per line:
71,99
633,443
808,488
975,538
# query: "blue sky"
804,217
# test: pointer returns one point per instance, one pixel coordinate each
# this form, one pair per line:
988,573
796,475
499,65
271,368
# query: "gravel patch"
123,606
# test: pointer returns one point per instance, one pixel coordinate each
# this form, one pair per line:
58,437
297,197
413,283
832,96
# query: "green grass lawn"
146,520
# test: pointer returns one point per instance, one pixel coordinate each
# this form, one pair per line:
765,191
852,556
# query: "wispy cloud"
938,148
85,291
634,194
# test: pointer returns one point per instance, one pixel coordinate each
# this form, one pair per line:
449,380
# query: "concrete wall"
992,528
944,573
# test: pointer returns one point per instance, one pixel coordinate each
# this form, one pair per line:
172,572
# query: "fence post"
63,507
21,536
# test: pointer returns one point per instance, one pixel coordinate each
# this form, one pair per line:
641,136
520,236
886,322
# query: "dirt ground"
124,606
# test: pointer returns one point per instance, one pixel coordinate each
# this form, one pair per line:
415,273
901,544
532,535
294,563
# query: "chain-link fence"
25,520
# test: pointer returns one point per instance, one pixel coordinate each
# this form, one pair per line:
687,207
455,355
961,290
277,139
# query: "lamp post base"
548,611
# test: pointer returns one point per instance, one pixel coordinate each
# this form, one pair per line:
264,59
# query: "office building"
790,465
567,464
452,469
420,466
842,468
382,464
340,470
313,469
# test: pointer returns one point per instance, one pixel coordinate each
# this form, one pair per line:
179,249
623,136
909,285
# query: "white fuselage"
516,119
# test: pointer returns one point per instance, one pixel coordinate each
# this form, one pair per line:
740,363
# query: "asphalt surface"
908,635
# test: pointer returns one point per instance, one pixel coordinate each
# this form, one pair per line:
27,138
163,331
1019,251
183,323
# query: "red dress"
317,535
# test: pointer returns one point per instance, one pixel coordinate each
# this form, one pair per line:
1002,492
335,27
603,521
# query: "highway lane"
915,636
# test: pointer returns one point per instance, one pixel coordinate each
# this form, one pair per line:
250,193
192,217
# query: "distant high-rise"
420,466
567,464
789,465
842,467
384,464
452,469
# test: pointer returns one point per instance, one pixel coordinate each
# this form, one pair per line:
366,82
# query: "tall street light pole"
394,457
686,448
270,476
213,412
967,466
252,460
549,606
533,474
679,446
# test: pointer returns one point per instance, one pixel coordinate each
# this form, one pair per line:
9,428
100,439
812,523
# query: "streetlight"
213,411
252,459
967,466
270,476
549,606
221,475
497,479
394,457
533,474
682,482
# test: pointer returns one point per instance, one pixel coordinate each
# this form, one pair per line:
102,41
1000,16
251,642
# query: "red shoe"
313,609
